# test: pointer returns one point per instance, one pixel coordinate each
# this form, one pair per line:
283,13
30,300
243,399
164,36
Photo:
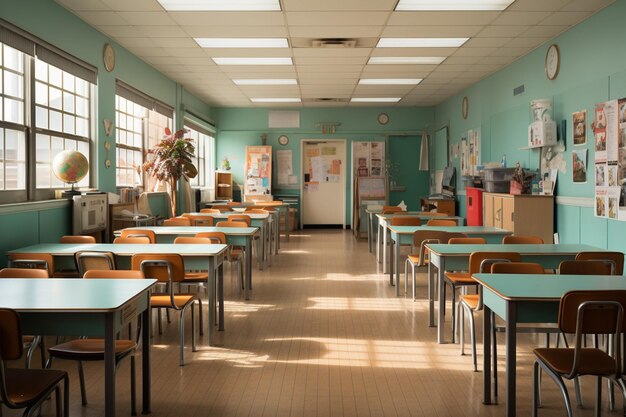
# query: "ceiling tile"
497,60
526,42
512,52
246,52
134,5
537,5
430,31
304,80
486,42
339,31
413,51
175,42
351,18
586,5
145,51
235,31
228,18
565,18
502,31
137,42
121,31
162,31
519,18
84,5
441,18
474,51
543,31
462,60
102,18
328,68
147,18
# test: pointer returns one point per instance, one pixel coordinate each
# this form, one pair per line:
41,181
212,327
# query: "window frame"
208,157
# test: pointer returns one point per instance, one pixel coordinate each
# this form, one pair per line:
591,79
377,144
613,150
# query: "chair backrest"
517,268
117,274
11,347
210,210
77,239
193,240
139,240
406,221
432,213
222,207
177,221
168,267
32,260
256,211
592,267
233,203
442,222
269,203
23,273
199,220
269,209
139,233
216,237
231,224
433,236
239,218
391,209
477,260
522,240
86,260
467,241
617,257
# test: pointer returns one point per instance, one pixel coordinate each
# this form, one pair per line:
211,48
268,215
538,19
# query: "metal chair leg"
133,389
494,341
535,396
182,338
81,376
561,385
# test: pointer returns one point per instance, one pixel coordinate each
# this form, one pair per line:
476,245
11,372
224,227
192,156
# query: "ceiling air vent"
333,43
325,100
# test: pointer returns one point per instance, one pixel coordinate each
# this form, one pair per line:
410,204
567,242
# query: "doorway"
323,183
407,182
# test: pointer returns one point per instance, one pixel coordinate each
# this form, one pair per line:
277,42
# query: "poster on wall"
470,152
464,157
361,158
579,166
579,120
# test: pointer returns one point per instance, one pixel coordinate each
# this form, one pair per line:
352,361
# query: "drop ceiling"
329,77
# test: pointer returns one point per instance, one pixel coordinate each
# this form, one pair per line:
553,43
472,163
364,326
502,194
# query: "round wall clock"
553,58
283,140
108,57
465,107
383,118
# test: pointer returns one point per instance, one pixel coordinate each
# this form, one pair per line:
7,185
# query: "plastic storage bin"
497,186
498,174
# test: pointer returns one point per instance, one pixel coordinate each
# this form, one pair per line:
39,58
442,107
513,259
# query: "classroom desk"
456,258
384,221
195,256
527,299
403,235
90,307
236,236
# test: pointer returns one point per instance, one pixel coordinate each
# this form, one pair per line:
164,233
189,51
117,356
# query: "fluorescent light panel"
268,81
390,81
447,5
375,99
276,100
402,60
221,5
242,42
253,61
421,42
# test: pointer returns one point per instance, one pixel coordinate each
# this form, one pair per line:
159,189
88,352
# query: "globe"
70,166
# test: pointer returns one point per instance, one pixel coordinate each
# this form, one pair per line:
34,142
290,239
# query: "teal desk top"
545,249
546,287
451,229
124,249
75,295
416,214
226,215
192,230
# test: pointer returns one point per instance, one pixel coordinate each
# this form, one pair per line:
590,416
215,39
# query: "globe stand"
70,193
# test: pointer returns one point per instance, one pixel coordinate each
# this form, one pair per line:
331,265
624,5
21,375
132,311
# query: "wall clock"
465,107
108,57
553,61
383,118
283,140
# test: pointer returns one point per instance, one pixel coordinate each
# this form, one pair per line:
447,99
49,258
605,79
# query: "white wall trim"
575,201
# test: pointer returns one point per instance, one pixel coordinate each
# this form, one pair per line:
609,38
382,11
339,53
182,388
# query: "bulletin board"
258,172
372,188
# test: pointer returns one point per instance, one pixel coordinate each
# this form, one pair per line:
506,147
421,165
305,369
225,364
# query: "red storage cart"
474,206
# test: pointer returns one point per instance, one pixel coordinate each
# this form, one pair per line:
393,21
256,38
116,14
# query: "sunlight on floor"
296,251
348,303
242,307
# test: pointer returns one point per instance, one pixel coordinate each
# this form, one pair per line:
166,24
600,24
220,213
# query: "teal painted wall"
593,70
240,127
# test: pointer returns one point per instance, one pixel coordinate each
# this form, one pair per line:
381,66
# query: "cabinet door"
488,216
508,213
497,212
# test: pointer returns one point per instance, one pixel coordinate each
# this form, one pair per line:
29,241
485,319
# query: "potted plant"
171,161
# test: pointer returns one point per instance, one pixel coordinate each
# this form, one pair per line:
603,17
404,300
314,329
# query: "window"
59,89
204,143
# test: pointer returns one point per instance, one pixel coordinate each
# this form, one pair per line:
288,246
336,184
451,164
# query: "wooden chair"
254,210
222,207
240,218
177,221
467,241
77,239
210,210
137,240
595,267
139,233
86,349
470,303
419,255
199,220
169,269
406,221
86,260
231,224
616,257
442,222
522,240
30,343
582,313
43,261
391,210
27,388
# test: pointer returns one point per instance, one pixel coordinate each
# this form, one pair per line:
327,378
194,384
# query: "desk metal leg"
261,254
390,263
486,355
511,360
378,242
248,284
442,300
109,366
220,295
212,298
145,359
431,295
369,233
396,266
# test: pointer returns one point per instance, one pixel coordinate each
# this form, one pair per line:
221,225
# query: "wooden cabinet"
223,185
439,205
524,215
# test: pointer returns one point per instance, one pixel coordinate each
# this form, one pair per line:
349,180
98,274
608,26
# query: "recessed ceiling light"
390,81
276,100
408,5
242,42
415,60
268,81
375,99
421,42
253,61
221,5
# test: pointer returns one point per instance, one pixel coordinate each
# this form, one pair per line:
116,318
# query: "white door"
323,182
